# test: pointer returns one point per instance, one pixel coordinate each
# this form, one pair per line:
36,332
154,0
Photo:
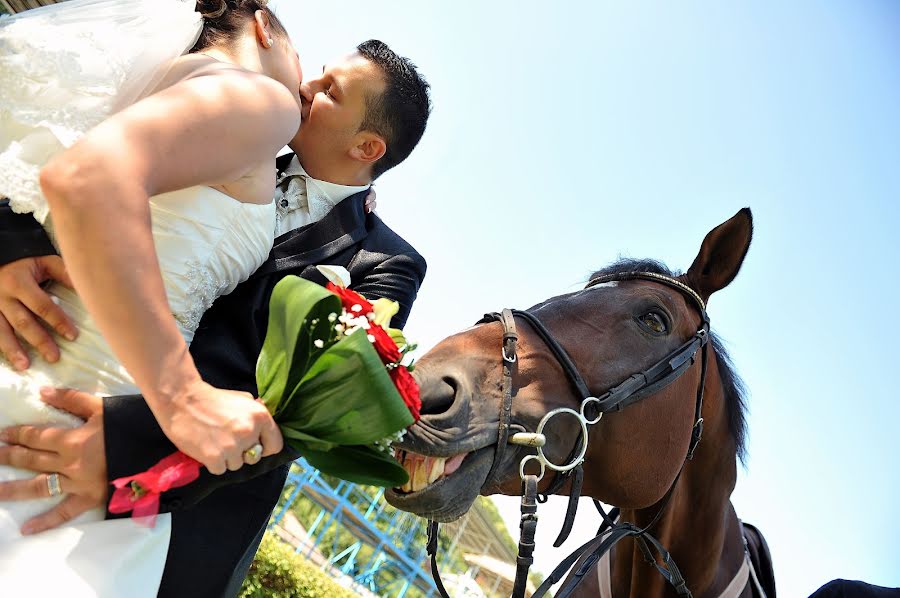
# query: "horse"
634,313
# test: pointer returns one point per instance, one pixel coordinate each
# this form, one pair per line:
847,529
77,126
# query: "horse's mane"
734,390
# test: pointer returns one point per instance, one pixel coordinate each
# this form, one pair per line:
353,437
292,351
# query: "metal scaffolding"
360,539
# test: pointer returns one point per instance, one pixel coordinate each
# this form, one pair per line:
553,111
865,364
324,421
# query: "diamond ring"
53,484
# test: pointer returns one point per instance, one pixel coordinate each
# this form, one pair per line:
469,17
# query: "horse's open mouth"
424,470
441,488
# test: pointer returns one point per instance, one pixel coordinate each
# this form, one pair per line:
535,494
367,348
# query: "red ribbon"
140,493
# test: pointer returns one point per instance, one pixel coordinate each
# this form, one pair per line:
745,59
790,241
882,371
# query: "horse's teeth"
419,478
437,470
423,471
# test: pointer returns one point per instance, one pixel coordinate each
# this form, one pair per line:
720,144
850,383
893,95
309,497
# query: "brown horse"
635,457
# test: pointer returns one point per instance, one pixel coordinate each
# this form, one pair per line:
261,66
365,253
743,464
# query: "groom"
363,116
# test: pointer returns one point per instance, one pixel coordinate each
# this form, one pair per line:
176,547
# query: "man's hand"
76,454
218,427
24,304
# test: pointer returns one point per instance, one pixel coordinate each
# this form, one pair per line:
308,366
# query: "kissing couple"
147,221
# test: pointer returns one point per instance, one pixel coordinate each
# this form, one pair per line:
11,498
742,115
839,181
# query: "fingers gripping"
80,404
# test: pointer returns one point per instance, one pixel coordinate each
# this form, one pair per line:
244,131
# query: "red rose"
385,346
408,389
350,299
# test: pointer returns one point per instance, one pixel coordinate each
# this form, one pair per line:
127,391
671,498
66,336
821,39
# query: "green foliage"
330,394
278,572
492,515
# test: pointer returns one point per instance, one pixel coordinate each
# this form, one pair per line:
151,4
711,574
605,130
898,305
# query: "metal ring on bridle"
586,419
506,358
525,460
584,434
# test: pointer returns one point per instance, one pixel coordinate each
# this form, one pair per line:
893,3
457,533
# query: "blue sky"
602,129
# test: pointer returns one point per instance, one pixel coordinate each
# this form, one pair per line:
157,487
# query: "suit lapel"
341,228
282,162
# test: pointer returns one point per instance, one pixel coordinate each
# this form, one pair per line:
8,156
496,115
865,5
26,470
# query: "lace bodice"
207,243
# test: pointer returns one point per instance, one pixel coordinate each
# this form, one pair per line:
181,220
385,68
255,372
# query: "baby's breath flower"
384,445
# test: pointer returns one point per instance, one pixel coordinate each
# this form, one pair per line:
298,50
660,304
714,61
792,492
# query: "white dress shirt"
301,199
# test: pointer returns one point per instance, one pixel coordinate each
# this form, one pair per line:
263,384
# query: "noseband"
636,387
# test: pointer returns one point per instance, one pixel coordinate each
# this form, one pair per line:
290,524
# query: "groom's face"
333,106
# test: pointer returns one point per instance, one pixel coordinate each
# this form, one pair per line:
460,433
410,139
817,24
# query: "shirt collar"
332,192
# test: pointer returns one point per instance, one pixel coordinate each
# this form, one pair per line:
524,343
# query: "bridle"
636,387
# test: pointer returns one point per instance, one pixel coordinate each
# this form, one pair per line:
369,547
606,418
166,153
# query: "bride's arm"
204,130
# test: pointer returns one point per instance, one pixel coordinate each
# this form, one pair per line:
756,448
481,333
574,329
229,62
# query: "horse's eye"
654,322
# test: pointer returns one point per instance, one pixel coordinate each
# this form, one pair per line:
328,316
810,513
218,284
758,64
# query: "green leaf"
347,396
331,402
301,441
359,464
397,336
288,349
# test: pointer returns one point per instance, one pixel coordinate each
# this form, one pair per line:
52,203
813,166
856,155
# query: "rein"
636,387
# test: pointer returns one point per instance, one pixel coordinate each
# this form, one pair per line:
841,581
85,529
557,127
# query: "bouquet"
335,380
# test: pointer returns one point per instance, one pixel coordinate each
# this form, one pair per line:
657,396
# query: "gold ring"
53,486
252,454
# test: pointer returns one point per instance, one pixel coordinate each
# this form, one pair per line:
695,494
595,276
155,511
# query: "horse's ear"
721,254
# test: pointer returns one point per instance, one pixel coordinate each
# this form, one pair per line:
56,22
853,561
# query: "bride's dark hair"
224,21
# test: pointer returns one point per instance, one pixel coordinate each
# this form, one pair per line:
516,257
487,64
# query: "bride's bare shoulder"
204,78
196,65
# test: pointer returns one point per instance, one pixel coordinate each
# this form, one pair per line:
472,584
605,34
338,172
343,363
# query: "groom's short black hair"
400,113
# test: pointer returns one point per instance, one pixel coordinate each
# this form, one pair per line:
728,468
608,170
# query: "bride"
153,172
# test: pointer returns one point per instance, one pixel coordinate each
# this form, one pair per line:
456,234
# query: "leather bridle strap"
527,529
562,357
654,378
593,549
431,550
510,339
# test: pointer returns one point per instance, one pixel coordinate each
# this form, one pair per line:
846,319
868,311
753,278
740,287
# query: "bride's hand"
217,427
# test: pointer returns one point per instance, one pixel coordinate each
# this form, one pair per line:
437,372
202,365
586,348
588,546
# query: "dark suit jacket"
219,520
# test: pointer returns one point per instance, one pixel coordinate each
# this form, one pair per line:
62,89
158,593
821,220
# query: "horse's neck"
699,528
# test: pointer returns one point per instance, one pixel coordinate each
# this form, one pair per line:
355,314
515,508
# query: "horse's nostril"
439,398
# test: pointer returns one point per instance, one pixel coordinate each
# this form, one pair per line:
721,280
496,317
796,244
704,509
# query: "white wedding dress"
57,81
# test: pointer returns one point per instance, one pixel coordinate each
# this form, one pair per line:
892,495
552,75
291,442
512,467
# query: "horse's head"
610,331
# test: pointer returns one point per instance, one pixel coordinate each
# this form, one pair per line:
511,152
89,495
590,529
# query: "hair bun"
211,9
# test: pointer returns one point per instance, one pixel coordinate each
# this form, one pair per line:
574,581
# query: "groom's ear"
368,147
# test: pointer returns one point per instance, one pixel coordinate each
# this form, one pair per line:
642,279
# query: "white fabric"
302,200
63,69
207,243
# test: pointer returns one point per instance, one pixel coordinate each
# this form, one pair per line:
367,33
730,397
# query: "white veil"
66,67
